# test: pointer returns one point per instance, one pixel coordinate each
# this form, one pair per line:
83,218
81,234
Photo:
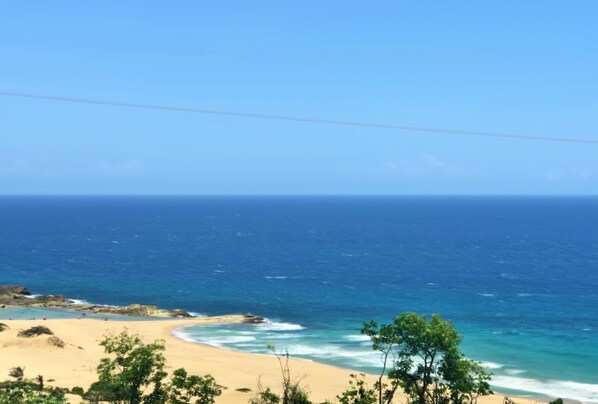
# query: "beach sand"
75,364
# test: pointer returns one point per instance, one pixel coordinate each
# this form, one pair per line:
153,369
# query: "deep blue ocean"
518,276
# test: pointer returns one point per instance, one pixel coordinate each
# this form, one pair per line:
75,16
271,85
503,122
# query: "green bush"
78,391
35,331
135,373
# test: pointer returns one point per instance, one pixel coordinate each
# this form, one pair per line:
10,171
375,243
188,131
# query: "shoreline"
75,364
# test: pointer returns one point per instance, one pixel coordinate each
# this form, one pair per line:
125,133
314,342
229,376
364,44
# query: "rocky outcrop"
17,295
251,319
10,291
134,310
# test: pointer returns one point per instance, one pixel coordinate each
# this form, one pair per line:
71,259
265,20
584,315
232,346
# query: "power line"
300,119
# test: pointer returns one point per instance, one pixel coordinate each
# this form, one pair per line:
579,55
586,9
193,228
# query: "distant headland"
20,296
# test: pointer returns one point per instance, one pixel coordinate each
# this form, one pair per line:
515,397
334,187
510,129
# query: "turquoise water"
517,276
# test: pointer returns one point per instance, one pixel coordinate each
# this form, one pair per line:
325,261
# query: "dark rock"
13,290
251,319
180,313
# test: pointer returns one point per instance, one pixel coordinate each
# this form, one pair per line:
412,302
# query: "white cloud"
20,168
424,165
431,160
577,174
127,168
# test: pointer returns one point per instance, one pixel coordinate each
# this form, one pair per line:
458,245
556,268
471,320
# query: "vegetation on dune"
418,355
35,331
135,374
26,391
422,357
292,392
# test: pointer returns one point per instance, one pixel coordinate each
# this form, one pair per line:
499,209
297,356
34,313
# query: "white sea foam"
486,294
78,301
363,358
584,392
275,326
180,333
275,277
356,337
514,371
233,339
219,341
491,365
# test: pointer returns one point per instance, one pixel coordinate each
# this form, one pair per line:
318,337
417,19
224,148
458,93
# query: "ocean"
517,276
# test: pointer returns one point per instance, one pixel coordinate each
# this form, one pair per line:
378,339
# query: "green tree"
133,368
184,388
466,379
423,358
135,375
358,392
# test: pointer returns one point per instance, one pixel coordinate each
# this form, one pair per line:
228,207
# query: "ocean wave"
275,277
233,339
486,294
584,392
360,358
276,326
514,371
358,338
180,333
78,301
491,365
218,341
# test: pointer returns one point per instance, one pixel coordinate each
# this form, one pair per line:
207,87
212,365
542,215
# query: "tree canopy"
422,357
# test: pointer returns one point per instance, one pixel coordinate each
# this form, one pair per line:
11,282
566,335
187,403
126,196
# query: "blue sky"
511,66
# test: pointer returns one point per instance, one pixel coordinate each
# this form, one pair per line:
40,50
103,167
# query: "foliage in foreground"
135,374
422,357
358,392
292,392
25,391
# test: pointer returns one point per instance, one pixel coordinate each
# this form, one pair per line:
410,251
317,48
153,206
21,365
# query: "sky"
524,67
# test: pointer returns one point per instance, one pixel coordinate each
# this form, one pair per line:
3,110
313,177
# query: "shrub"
136,373
78,391
34,332
55,341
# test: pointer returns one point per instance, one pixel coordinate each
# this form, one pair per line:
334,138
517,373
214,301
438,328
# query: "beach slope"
75,363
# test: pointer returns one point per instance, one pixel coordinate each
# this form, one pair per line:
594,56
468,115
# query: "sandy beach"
75,364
